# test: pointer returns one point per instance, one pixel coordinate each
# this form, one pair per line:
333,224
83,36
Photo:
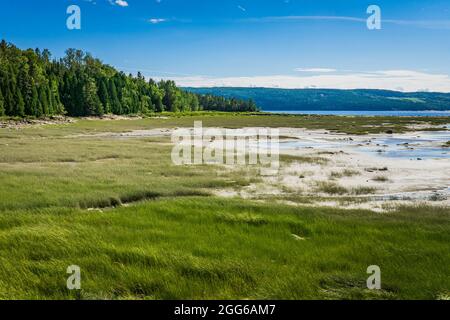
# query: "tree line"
34,84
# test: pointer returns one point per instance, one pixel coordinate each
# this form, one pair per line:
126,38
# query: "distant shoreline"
367,113
334,100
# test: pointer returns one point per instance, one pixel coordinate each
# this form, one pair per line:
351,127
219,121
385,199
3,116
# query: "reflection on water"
419,145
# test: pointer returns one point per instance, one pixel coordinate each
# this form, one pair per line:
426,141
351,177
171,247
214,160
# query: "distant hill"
334,100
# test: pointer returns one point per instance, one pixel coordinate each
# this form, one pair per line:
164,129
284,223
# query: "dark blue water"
372,113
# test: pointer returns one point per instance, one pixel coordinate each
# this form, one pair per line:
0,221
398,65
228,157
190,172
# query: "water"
414,146
372,113
425,145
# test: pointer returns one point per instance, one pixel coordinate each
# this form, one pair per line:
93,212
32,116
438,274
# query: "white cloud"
399,80
120,3
317,70
156,20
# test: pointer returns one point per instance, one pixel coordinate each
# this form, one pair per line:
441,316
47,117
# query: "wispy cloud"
242,8
432,24
315,70
165,20
429,24
157,20
400,80
299,18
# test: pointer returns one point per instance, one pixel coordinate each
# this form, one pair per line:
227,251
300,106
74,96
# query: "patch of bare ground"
23,123
114,117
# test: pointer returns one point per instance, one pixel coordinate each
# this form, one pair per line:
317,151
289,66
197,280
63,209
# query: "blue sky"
276,43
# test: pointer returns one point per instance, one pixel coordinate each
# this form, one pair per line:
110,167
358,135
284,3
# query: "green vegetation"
330,188
288,158
141,228
31,84
195,248
344,173
381,179
362,190
96,173
330,99
349,125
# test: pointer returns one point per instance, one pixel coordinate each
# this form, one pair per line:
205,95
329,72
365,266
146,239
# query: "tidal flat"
105,195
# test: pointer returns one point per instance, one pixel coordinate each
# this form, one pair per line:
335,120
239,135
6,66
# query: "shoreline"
365,113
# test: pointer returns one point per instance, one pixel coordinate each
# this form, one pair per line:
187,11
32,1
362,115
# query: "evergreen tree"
9,102
43,100
58,107
20,105
92,103
36,109
115,102
104,96
2,104
157,96
172,97
25,85
51,101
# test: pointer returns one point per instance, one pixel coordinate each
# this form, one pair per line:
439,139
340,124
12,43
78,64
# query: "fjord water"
423,145
371,113
413,146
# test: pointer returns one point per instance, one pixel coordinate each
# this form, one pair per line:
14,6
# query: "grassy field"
350,125
141,228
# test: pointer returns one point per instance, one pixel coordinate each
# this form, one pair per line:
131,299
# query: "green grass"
97,173
349,125
380,179
142,228
288,159
344,173
362,190
333,188
226,249
330,188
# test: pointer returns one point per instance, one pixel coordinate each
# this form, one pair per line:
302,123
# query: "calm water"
373,113
418,145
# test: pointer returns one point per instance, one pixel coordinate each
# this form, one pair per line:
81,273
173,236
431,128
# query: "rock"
296,237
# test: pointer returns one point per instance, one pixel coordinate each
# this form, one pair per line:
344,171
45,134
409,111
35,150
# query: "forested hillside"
329,99
32,84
